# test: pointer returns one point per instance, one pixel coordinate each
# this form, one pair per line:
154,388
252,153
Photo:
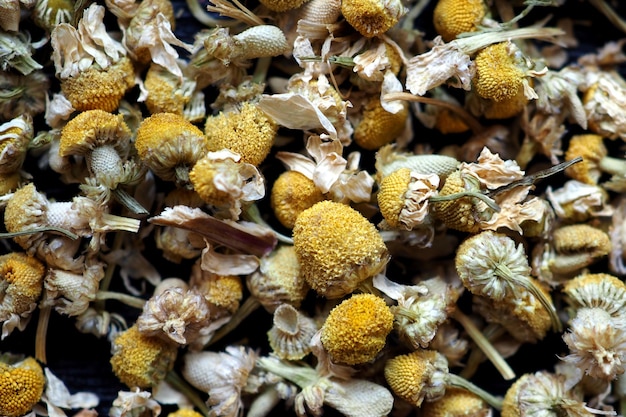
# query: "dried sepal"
16,52
291,333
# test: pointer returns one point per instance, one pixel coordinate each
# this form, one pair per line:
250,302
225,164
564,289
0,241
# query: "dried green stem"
458,382
47,229
129,300
129,201
483,197
41,333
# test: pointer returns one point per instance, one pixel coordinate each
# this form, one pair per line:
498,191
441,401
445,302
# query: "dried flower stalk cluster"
362,176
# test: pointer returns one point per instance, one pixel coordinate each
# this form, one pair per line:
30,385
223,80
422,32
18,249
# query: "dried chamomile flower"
523,317
255,42
558,94
457,402
372,17
248,132
21,386
134,402
403,198
224,180
278,280
15,137
576,201
141,361
291,333
598,291
423,375
49,13
185,412
453,17
353,397
604,98
376,126
356,330
222,292
595,160
225,376
597,343
21,283
101,323
291,194
170,146
337,248
71,292
282,5
10,15
450,343
489,264
175,314
167,93
23,94
92,66
543,393
16,52
389,160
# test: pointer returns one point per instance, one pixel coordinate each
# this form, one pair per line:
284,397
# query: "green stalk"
458,382
129,300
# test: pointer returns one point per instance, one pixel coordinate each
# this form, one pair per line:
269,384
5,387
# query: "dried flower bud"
291,334
598,291
378,127
453,17
139,360
176,314
278,280
372,17
457,402
355,331
254,42
71,292
222,292
21,386
358,251
292,193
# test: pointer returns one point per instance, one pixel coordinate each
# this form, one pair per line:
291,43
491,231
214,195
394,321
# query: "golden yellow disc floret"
95,88
292,193
497,78
408,375
591,148
21,387
459,214
21,282
249,133
337,248
184,412
577,238
91,129
356,330
372,17
169,145
224,291
457,402
9,182
165,94
282,5
453,17
141,361
498,110
203,176
391,195
379,127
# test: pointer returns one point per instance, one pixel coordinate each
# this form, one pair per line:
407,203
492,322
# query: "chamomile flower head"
337,248
498,76
71,293
291,334
139,360
170,146
21,386
169,93
222,292
21,283
225,181
460,213
378,127
282,5
356,330
49,13
453,17
278,280
591,148
372,17
292,193
457,402
15,137
249,133
403,197
597,291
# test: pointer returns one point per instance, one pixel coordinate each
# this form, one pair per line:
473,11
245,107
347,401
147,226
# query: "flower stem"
41,333
52,229
484,345
129,201
458,382
129,300
184,388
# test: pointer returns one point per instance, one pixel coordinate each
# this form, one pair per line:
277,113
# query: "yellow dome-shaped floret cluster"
9,182
100,89
91,129
184,412
141,361
167,141
497,78
224,291
337,248
391,195
21,282
249,133
407,375
458,214
591,148
453,17
21,387
379,127
292,193
509,107
203,177
576,238
457,402
355,331
372,17
282,5
164,92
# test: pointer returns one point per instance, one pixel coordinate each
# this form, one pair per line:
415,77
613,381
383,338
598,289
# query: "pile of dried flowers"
275,159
